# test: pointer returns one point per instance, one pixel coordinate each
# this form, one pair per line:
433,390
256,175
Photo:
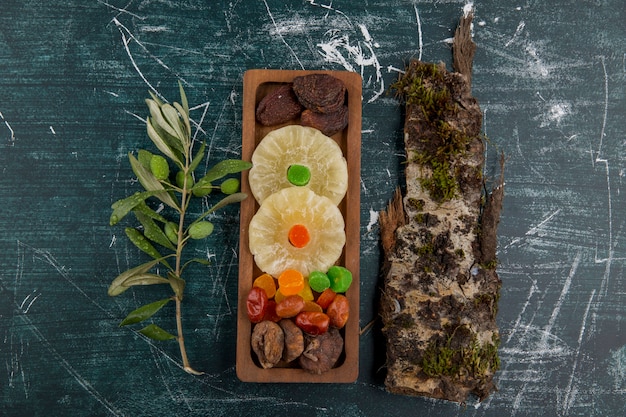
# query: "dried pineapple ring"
298,145
270,226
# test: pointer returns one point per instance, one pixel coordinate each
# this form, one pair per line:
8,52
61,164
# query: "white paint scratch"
571,390
520,27
361,53
373,220
12,133
269,13
52,130
557,307
419,32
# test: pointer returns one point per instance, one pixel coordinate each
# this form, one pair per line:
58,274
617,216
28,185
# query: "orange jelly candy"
290,282
299,235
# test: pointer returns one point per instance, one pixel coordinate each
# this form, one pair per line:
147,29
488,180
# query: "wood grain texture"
549,77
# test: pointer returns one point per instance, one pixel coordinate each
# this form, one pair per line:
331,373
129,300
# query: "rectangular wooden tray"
256,84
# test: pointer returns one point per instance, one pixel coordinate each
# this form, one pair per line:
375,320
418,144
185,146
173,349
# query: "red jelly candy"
313,322
256,304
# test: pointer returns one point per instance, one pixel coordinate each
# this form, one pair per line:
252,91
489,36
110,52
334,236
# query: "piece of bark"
440,286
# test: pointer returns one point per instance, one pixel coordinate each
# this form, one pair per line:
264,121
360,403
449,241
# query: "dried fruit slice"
302,146
270,226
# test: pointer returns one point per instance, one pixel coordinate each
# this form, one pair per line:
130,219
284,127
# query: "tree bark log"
440,285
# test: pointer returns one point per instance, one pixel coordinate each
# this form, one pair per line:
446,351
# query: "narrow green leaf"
161,143
139,240
225,167
173,119
124,206
185,119
144,157
177,284
152,231
156,111
143,207
155,98
144,312
200,261
183,98
150,182
229,199
116,287
155,332
197,158
144,279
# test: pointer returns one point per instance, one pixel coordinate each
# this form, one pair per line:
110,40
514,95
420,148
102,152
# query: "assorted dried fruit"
318,99
299,177
304,318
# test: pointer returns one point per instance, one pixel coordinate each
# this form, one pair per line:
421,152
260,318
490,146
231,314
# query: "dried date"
327,123
279,106
321,93
267,342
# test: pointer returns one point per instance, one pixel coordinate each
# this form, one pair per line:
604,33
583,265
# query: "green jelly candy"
340,278
298,175
318,281
230,186
159,167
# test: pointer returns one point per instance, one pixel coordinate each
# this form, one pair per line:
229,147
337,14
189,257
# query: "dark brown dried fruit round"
267,342
327,123
294,340
321,93
321,352
278,106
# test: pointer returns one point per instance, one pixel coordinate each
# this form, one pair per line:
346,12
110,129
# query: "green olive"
200,230
230,186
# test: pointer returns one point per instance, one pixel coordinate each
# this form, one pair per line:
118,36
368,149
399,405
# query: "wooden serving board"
256,84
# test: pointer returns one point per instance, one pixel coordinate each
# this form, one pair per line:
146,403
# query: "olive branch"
169,128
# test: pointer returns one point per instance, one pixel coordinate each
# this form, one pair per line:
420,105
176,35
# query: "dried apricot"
267,282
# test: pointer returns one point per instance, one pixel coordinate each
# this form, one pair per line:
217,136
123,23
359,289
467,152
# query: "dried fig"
327,123
321,352
267,342
321,93
294,340
278,106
